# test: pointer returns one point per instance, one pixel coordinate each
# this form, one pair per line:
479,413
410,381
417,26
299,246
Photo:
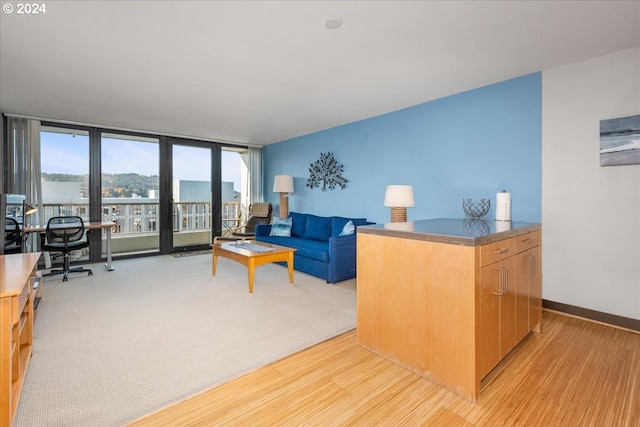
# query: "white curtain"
23,163
2,142
255,174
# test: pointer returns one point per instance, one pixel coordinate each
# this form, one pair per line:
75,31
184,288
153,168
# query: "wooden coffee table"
242,253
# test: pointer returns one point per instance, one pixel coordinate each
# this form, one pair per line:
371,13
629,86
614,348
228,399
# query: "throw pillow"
348,229
281,227
338,223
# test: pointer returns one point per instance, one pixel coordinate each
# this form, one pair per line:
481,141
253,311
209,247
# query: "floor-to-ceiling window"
65,174
144,183
65,171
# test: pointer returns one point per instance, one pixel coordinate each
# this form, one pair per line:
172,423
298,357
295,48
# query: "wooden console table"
17,278
448,298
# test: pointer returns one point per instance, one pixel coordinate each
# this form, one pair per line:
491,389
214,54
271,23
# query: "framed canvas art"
620,141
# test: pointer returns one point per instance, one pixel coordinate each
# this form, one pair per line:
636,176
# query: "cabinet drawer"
527,241
496,251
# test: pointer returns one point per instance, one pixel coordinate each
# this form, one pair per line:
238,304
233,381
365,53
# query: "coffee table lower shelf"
252,259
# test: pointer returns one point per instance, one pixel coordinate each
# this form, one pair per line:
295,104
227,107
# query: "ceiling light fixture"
333,22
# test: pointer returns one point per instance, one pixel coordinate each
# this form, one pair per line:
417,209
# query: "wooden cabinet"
444,308
530,275
529,270
17,277
510,296
497,328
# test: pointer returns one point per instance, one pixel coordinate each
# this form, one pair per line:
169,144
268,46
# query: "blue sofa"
321,249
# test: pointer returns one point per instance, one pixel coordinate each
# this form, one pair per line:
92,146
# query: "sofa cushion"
313,249
281,227
299,222
318,228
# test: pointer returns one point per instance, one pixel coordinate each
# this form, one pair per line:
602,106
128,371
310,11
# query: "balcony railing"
137,220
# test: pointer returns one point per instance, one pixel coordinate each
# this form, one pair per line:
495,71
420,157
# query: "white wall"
590,214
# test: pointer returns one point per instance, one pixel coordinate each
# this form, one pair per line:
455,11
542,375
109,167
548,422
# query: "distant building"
200,191
191,191
60,192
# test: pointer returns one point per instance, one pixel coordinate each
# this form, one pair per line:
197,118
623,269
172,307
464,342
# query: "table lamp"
399,198
28,209
283,184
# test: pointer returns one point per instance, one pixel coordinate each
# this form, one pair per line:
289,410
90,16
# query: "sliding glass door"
130,188
192,196
210,197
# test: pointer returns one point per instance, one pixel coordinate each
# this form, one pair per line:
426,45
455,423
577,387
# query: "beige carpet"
117,345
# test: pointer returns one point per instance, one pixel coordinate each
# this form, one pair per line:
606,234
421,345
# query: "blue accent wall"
469,145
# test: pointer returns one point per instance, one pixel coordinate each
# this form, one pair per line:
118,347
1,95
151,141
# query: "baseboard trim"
597,316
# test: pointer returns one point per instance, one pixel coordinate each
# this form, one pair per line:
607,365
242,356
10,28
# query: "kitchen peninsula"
448,298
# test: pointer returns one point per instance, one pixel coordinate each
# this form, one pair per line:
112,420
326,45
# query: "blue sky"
64,153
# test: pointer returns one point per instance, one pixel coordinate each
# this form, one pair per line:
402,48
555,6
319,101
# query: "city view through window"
130,186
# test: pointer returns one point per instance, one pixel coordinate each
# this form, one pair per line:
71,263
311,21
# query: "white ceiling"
259,72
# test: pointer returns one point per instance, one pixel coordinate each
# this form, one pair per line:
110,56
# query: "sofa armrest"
339,244
342,258
263,229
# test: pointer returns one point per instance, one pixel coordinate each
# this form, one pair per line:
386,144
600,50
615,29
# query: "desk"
89,225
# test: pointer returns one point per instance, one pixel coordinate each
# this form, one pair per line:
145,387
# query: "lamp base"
284,205
398,214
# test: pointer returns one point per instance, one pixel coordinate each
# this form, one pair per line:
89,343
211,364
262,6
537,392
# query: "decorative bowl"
476,209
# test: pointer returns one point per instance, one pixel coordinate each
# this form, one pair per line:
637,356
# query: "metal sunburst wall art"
326,171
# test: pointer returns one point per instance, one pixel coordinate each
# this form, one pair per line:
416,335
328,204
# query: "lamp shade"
28,209
283,184
399,196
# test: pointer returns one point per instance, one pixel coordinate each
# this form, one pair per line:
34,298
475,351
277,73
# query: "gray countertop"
466,232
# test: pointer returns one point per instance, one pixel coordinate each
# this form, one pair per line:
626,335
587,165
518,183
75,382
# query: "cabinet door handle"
505,281
501,251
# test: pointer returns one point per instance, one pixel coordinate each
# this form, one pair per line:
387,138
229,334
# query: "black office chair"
12,236
259,213
65,234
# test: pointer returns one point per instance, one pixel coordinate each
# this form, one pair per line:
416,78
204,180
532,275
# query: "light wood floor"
576,373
